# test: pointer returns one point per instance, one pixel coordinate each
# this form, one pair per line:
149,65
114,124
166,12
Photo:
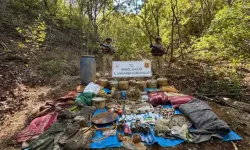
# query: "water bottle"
124,95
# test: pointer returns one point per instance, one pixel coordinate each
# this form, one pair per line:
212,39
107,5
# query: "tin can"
127,130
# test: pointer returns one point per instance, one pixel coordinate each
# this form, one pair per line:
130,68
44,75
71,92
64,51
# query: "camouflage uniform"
108,56
158,60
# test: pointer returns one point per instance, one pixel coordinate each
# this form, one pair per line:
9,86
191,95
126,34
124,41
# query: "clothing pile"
63,129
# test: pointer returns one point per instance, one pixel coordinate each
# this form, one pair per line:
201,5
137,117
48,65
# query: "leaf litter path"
17,121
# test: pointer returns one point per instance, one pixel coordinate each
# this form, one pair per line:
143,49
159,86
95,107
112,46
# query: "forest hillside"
207,41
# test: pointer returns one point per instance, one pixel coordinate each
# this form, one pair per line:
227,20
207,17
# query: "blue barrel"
87,69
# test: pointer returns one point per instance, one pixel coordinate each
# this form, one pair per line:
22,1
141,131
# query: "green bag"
85,98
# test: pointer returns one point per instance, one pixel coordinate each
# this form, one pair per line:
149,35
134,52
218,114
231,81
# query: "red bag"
157,98
176,101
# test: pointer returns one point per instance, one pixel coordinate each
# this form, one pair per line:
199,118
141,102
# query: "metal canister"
118,94
162,81
142,85
127,130
152,83
113,84
123,85
103,82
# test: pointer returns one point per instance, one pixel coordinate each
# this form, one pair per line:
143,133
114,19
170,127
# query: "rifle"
107,47
158,50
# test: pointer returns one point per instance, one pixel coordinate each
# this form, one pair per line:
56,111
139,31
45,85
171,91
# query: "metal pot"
112,105
118,94
99,102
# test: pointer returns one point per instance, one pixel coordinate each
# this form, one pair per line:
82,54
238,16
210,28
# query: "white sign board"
131,69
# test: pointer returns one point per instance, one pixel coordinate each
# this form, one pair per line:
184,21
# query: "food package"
169,89
113,84
162,81
157,98
152,83
139,108
142,85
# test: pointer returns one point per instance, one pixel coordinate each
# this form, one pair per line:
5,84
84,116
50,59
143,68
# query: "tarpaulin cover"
112,141
37,127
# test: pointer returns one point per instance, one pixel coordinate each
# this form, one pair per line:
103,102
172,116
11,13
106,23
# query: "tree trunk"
178,29
2,8
87,39
3,5
202,12
208,7
172,34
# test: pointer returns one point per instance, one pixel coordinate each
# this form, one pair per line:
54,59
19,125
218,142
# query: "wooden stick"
221,94
229,102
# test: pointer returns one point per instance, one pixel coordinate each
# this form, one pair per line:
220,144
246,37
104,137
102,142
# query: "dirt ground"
17,121
239,122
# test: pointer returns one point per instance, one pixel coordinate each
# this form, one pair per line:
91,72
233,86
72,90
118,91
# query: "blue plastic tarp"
112,141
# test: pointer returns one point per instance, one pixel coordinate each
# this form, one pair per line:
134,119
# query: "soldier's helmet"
158,38
108,39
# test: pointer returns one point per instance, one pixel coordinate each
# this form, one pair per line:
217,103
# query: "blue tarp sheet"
112,141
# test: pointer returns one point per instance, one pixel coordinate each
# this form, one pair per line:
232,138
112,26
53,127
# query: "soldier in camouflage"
157,51
108,51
